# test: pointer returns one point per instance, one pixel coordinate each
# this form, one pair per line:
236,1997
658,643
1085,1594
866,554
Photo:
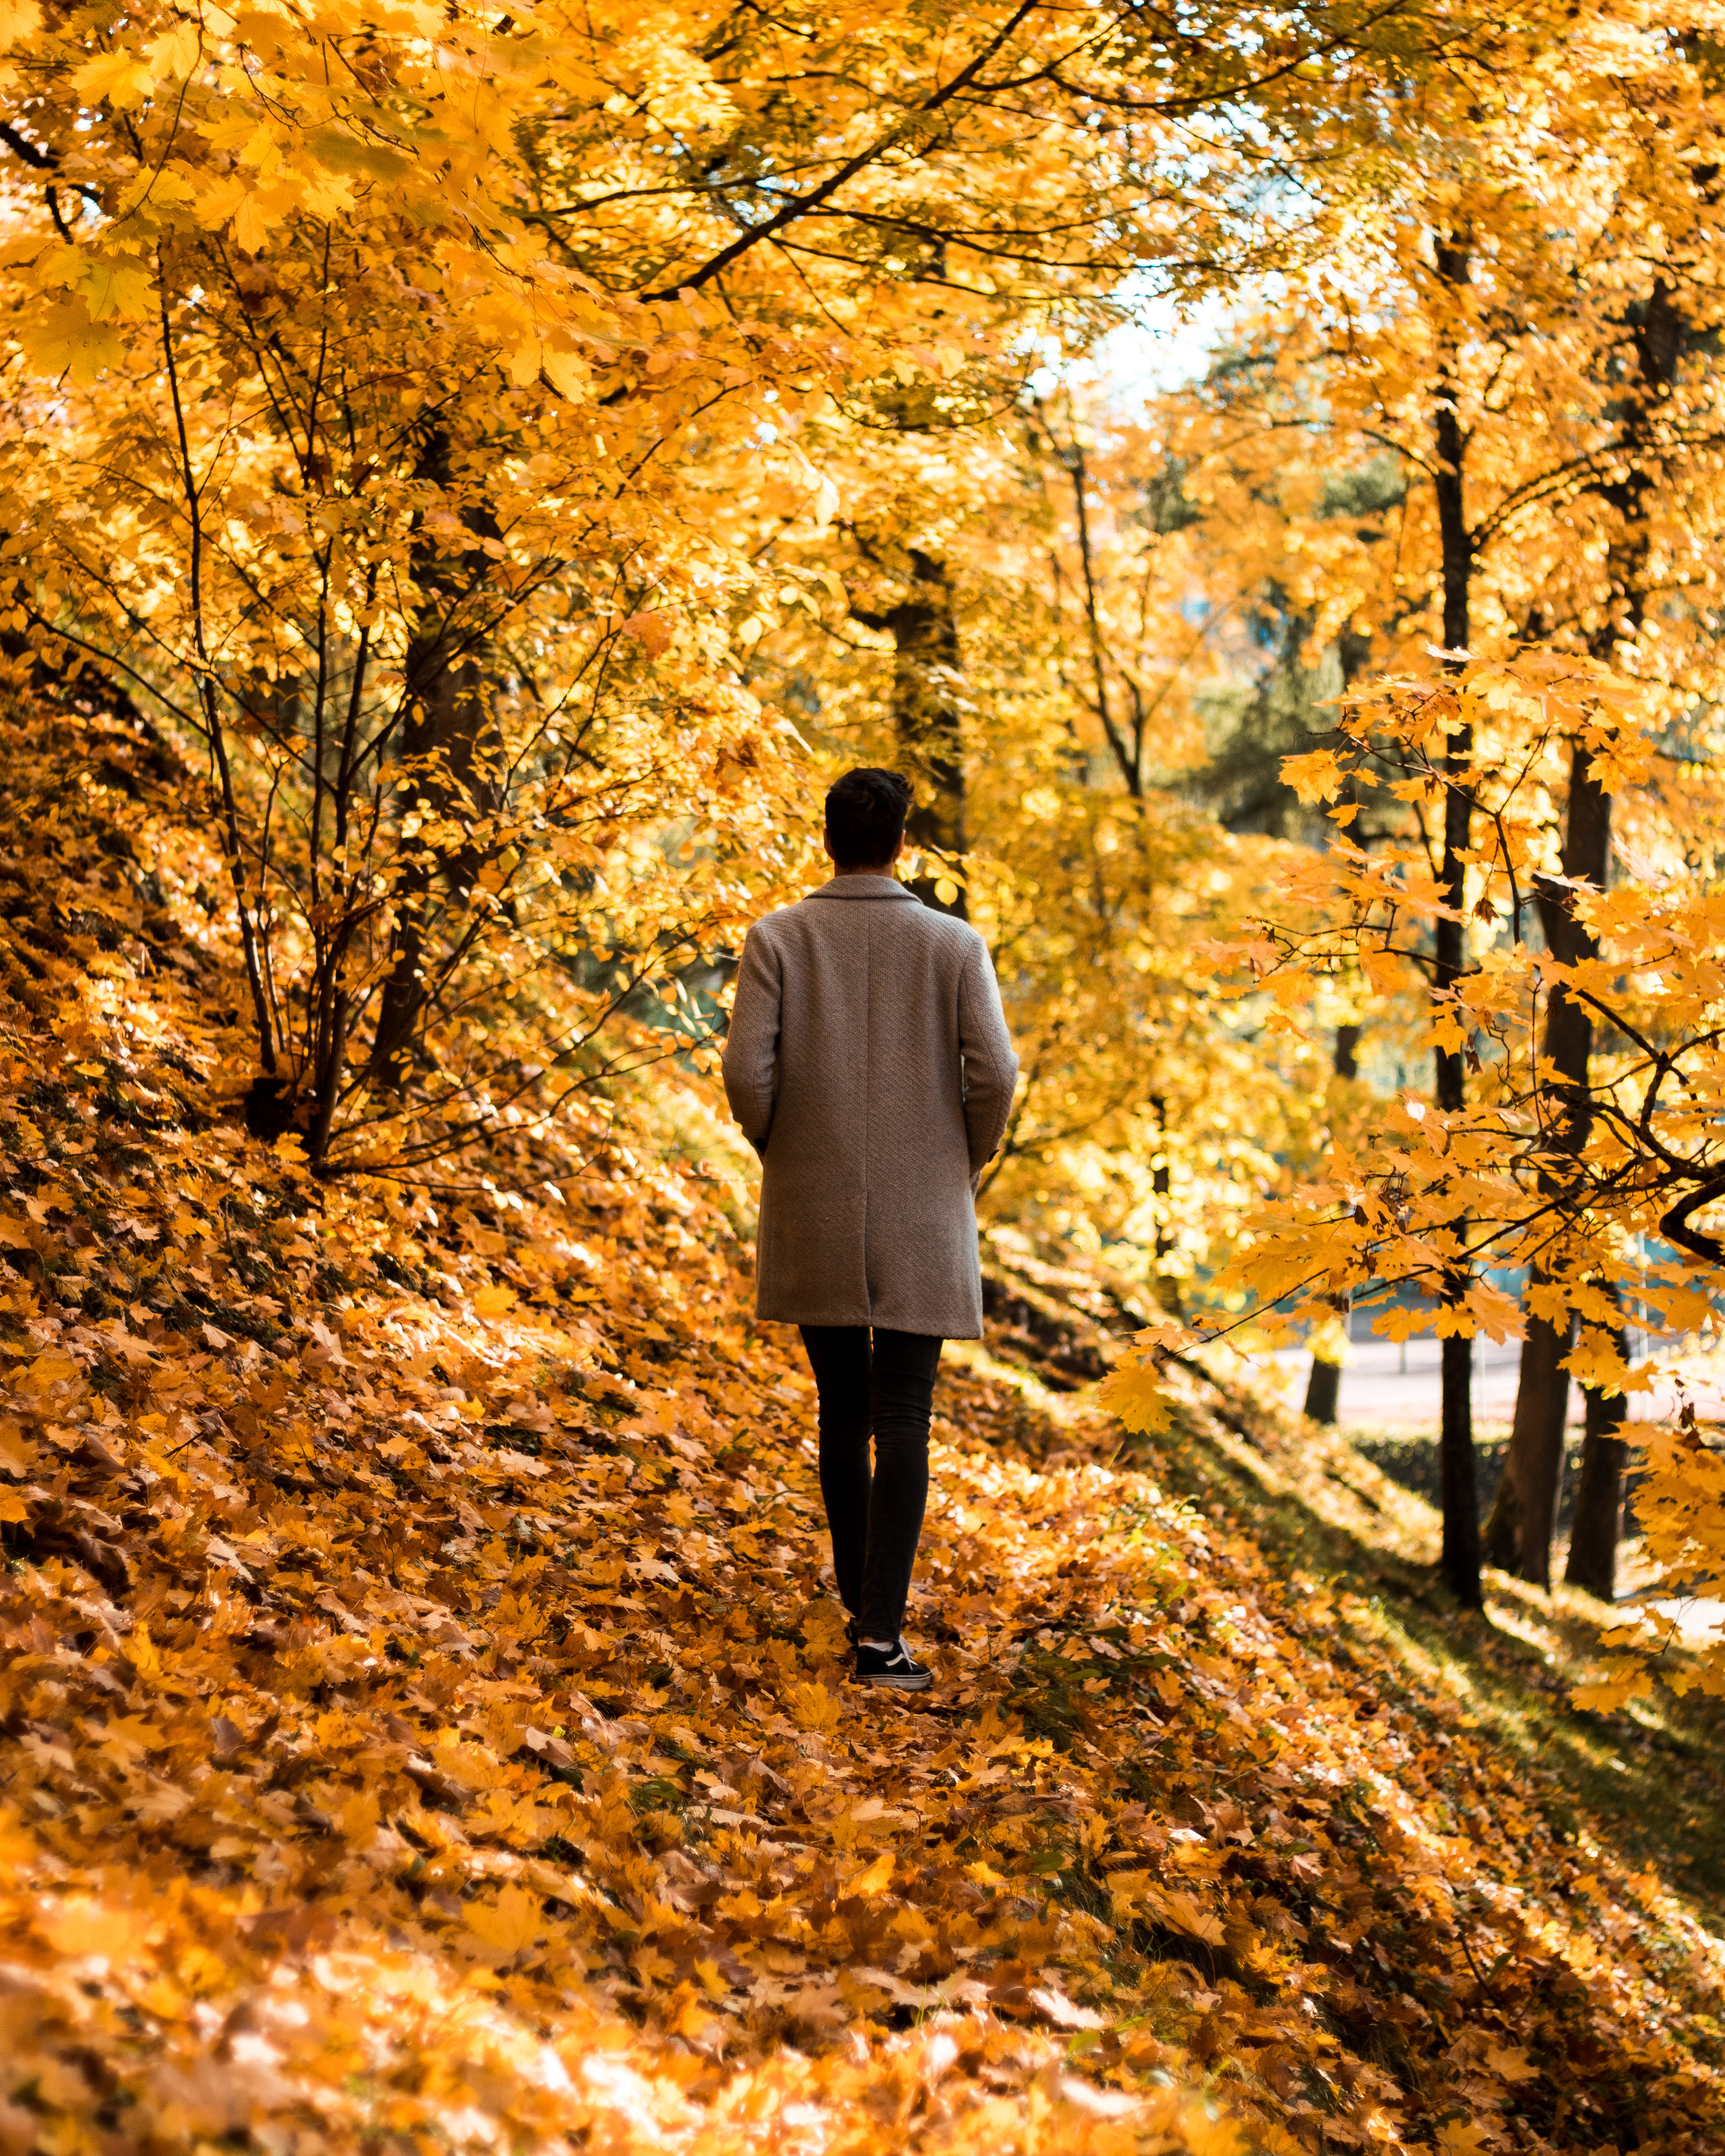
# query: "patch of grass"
1645,1780
657,1793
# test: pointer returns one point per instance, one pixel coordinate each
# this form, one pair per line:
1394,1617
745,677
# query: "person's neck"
884,868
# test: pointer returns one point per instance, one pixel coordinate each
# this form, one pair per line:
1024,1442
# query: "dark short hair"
865,816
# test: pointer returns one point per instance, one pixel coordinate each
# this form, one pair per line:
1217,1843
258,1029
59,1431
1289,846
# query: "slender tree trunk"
1523,1519
1128,758
1323,1390
926,712
252,916
448,714
1323,1385
1599,1492
1659,337
1460,1493
1518,1535
1162,1183
1518,1532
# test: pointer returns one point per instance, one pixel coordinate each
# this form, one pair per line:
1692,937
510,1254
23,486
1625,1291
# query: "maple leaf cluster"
1587,1185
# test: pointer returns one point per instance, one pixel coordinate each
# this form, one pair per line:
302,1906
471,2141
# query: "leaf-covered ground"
426,1725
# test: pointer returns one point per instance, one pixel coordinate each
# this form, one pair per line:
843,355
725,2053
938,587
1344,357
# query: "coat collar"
865,887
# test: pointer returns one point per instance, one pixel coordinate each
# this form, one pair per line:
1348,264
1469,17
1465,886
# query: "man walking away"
869,1065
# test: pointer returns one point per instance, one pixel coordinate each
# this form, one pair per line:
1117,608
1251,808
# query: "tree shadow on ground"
1644,1780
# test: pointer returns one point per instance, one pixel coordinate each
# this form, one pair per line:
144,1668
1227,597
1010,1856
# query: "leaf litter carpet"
425,1724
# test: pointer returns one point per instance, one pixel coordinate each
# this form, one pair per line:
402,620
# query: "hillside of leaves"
425,1724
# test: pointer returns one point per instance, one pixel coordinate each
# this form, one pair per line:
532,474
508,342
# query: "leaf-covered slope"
425,1724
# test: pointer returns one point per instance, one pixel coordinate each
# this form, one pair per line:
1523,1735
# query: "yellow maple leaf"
653,631
50,1369
1125,1891
359,1818
1206,2133
1315,777
119,79
1183,1913
77,1926
1460,2138
874,1878
813,1706
175,52
251,225
1132,1393
18,19
508,1924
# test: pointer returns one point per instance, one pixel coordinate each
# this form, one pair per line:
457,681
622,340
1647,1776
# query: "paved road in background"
1385,1386
1389,1387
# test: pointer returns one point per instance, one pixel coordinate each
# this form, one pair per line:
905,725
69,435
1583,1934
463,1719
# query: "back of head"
866,817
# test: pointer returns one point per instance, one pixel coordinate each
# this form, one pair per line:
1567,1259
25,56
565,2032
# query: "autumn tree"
1523,374
1391,1208
427,381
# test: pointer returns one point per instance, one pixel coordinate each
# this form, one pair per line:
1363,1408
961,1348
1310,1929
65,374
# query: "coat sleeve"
991,1069
750,1058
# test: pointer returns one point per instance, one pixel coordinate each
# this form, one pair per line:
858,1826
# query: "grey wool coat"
869,1065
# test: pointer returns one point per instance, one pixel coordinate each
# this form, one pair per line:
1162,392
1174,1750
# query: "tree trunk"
1324,1391
1323,1386
1459,1490
446,716
1599,1493
1519,1535
926,714
1660,336
1162,1184
448,712
1460,1494
1128,757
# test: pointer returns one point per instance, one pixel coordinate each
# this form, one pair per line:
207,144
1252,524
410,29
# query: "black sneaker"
892,1666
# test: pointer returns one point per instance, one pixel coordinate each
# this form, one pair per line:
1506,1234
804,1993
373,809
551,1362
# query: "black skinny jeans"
876,1519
